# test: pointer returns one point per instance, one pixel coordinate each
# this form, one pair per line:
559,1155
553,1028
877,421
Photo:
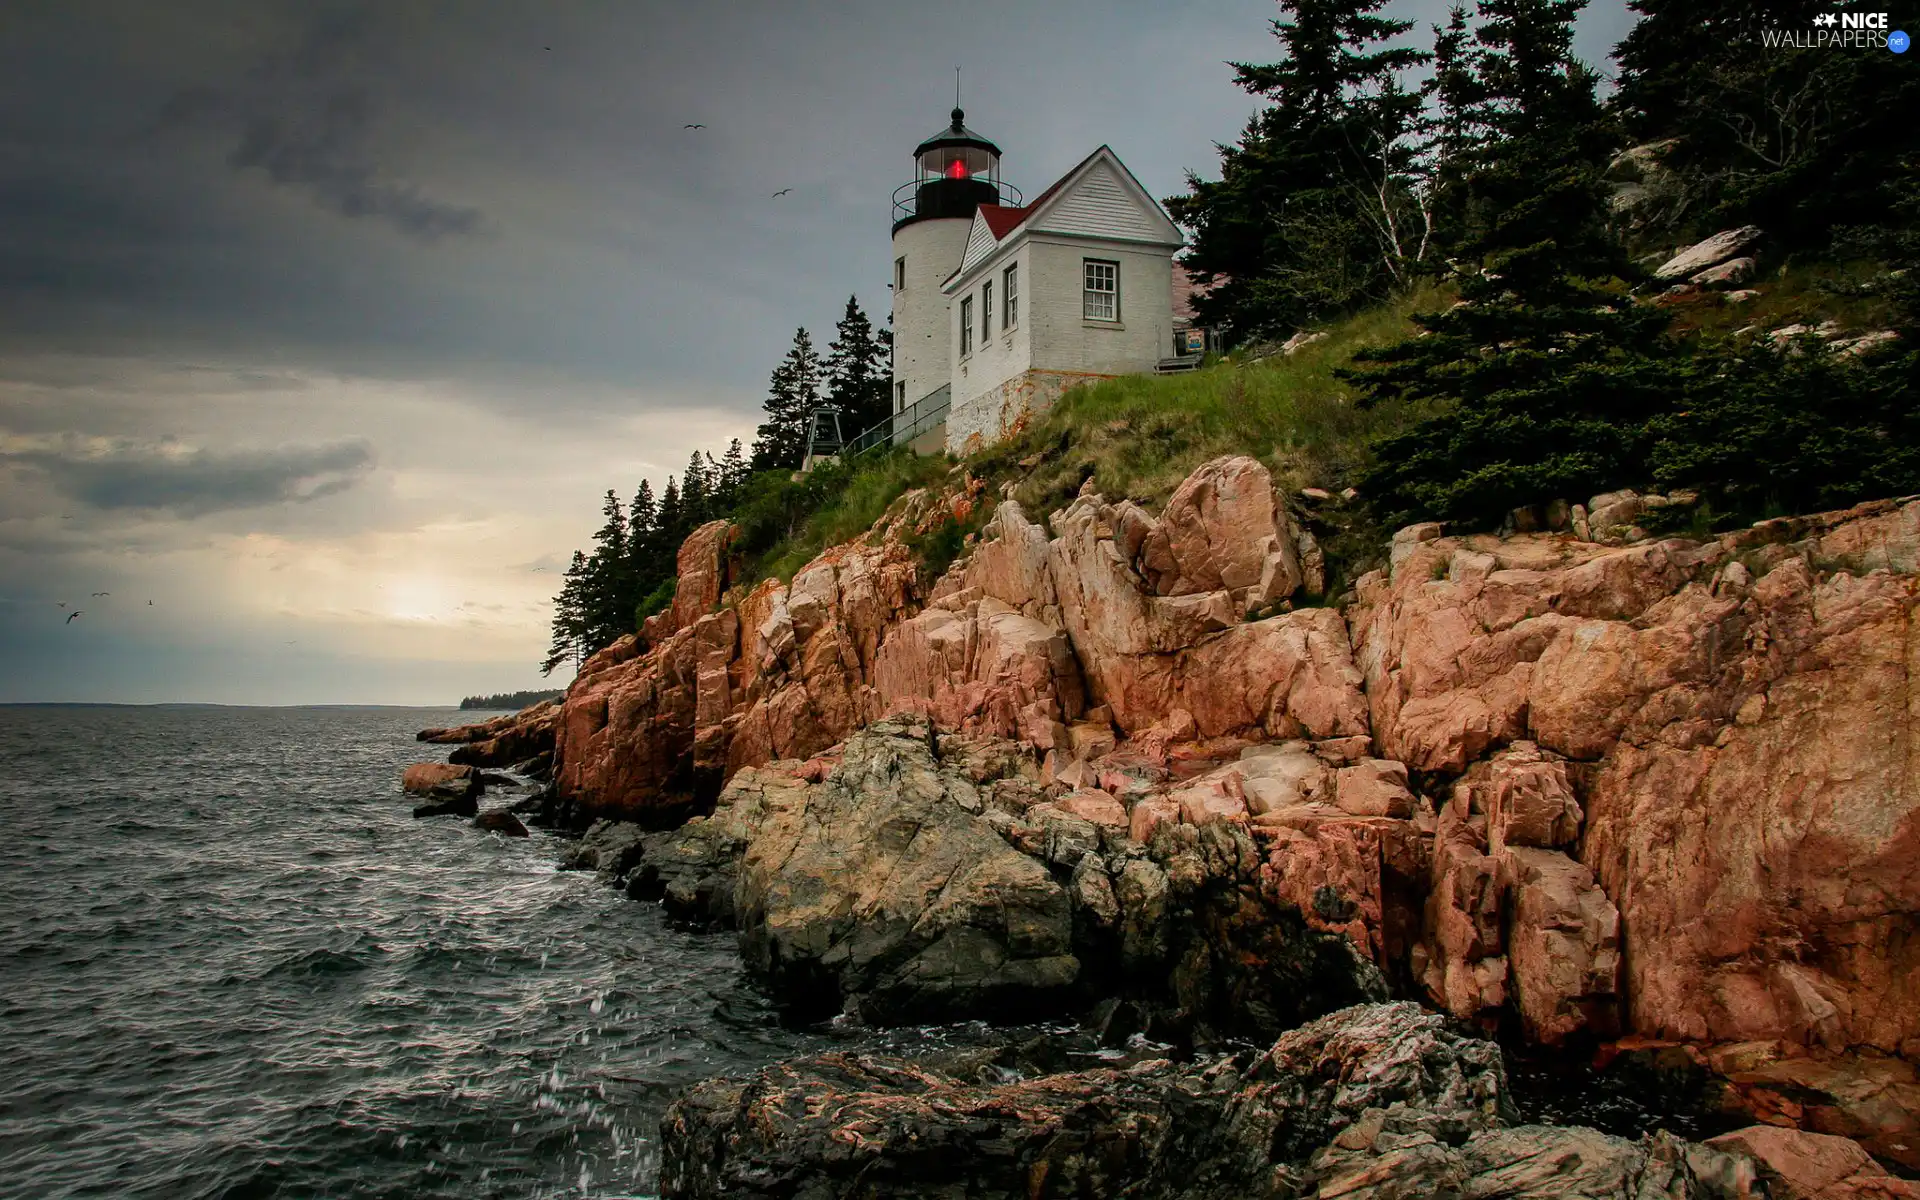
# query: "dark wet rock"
495,779
609,847
879,889
499,820
882,884
1373,1101
448,805
539,768
692,871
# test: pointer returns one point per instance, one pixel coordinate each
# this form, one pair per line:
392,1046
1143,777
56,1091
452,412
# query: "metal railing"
906,196
907,424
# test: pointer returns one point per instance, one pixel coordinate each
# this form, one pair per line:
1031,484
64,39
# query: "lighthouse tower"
956,171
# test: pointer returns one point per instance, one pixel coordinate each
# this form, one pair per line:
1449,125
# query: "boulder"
448,805
440,779
877,888
1728,274
500,821
1714,250
1812,1166
609,847
1376,1100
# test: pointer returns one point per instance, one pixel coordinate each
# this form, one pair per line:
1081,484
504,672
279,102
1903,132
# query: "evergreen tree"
1795,140
733,474
1541,384
695,493
569,618
643,539
1453,130
793,394
1280,235
673,525
857,372
609,584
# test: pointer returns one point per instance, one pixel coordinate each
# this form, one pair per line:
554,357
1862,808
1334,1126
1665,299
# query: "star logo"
1827,19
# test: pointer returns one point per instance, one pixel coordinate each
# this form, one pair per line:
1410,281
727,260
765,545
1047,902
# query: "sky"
324,326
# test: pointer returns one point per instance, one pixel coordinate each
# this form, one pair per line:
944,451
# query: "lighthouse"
955,172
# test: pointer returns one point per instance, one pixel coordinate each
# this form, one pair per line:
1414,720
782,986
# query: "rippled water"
233,965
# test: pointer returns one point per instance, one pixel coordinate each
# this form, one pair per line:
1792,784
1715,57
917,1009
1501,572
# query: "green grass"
1794,294
786,522
1138,436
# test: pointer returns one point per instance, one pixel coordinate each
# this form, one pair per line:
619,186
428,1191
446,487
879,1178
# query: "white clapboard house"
999,305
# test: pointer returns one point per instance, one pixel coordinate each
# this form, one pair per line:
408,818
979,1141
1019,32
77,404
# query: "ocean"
232,964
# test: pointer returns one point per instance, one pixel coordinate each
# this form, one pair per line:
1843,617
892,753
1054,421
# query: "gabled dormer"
1099,198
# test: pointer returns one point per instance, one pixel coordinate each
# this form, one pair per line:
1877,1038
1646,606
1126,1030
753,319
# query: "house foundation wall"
1005,409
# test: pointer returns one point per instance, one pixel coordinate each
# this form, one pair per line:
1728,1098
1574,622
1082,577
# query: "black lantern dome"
957,171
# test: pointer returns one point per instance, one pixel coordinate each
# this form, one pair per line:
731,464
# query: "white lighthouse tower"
956,171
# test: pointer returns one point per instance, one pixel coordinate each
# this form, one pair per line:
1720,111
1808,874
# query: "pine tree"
643,536
1453,130
733,474
673,525
569,618
1278,235
857,372
609,585
695,493
793,394
1795,140
1542,383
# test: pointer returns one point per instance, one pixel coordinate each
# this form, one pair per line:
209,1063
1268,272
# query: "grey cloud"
197,482
303,125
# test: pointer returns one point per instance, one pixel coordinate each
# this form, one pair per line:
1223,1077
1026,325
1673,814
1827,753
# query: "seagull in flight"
103,593
781,192
70,616
693,127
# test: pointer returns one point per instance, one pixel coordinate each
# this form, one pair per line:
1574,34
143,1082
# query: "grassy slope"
1138,436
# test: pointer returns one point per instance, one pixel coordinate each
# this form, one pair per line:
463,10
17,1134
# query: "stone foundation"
992,415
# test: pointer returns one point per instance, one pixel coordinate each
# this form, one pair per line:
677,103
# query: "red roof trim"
1002,219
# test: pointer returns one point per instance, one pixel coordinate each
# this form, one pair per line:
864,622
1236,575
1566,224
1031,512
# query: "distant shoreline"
199,704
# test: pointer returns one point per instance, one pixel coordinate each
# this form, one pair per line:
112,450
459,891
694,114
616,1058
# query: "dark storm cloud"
304,125
193,483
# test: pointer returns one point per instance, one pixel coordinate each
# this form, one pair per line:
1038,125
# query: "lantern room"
957,172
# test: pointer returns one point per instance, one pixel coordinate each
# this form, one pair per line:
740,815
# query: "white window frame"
1100,304
986,310
1010,297
966,326
900,274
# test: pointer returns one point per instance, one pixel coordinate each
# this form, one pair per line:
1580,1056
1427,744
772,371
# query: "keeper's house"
999,306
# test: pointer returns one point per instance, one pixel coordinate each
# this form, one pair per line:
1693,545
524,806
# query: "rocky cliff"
1657,789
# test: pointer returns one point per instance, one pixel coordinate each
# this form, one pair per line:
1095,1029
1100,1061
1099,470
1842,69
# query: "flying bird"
149,604
781,192
63,604
70,616
103,593
693,127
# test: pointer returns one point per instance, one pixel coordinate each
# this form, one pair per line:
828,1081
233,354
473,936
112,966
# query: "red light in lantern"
957,171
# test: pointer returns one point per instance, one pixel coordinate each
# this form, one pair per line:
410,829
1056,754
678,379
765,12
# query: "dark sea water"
233,965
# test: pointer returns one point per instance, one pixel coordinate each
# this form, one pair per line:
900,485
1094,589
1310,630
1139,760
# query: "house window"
1010,297
1101,298
986,310
966,326
900,274
899,395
